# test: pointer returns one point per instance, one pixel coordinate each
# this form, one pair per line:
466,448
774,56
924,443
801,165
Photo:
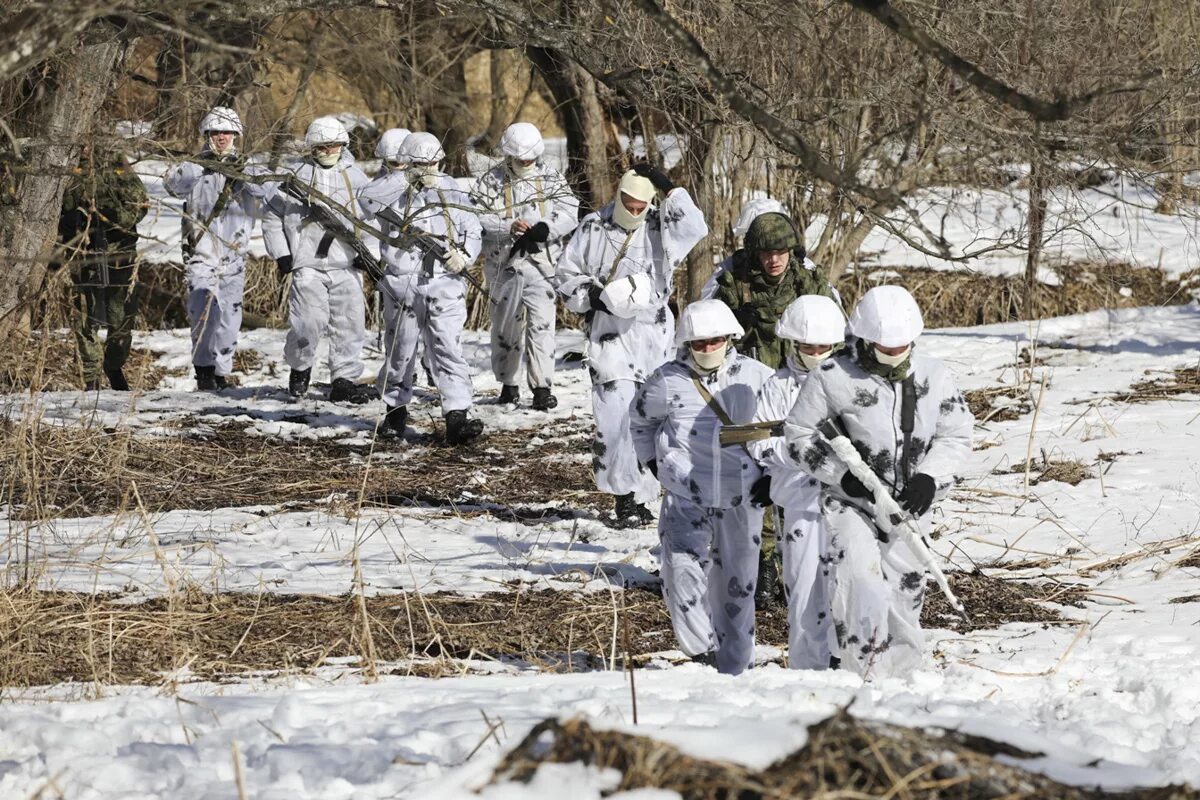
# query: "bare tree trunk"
590,166
698,161
30,226
1037,224
447,116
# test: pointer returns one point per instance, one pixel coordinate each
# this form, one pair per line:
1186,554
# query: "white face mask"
423,175
626,220
804,362
327,160
708,362
520,170
221,153
892,361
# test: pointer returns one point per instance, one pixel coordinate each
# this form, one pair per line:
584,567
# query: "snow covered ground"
1110,700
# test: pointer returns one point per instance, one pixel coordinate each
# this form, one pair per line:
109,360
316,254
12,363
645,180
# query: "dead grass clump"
1183,381
1070,472
844,757
47,361
992,601
50,637
962,299
998,403
57,471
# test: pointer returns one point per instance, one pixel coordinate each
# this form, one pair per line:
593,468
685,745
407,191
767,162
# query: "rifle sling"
908,414
715,407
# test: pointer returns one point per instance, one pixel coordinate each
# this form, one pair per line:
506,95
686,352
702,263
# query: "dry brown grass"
845,758
48,637
58,472
1063,471
49,362
958,299
998,403
1183,381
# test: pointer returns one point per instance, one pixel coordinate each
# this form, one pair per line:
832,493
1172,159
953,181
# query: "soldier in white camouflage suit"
816,327
910,423
710,525
618,271
527,211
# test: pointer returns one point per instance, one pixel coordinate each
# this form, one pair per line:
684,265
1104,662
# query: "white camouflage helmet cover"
887,316
221,118
812,319
754,209
390,142
522,140
422,148
706,319
325,130
629,296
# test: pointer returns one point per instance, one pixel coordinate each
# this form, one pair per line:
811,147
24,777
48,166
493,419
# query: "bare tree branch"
1056,110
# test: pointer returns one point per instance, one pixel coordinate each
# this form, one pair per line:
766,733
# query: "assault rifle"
890,518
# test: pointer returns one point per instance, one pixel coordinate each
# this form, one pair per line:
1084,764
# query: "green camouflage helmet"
772,231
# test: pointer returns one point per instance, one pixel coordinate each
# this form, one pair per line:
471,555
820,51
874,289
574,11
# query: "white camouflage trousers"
614,460
877,593
523,322
326,302
805,579
709,568
214,309
432,314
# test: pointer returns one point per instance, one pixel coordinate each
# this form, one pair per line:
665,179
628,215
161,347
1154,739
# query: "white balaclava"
802,362
219,153
328,160
892,361
709,362
638,188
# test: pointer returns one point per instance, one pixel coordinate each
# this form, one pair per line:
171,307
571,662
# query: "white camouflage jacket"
503,198
601,251
444,211
672,423
286,231
221,239
868,408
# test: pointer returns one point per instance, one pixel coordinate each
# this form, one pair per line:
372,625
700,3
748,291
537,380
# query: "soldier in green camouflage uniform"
758,283
98,227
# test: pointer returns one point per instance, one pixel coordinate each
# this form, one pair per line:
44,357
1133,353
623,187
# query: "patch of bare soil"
1183,381
998,403
72,472
48,637
844,757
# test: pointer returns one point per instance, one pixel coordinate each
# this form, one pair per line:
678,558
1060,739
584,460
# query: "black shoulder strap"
908,414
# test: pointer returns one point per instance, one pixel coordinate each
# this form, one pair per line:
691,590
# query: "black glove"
594,299
656,176
853,487
283,265
918,493
652,466
528,242
760,491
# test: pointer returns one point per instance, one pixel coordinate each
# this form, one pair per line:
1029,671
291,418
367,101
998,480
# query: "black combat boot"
206,379
395,421
460,430
510,395
343,390
630,513
92,386
116,379
298,382
543,400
